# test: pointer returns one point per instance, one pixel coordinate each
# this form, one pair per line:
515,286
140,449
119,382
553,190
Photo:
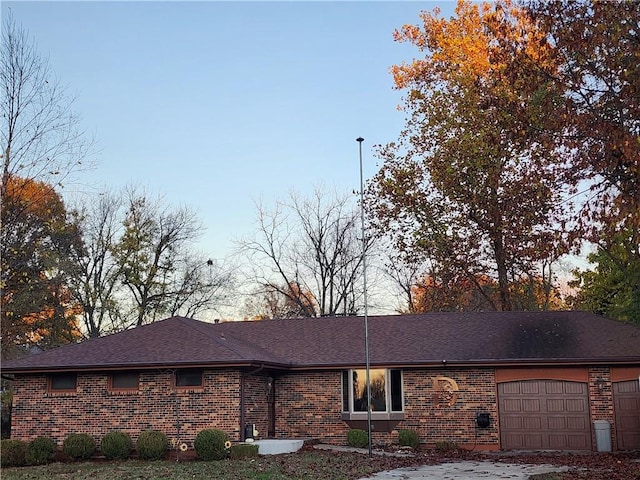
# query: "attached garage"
544,415
626,404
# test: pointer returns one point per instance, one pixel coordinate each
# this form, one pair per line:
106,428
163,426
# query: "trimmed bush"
357,438
6,400
79,446
446,446
14,453
212,444
116,445
41,451
408,438
152,445
243,450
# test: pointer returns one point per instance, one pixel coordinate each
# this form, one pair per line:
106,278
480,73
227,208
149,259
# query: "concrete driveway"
467,470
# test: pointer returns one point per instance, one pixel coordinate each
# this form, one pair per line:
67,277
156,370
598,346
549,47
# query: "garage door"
544,414
626,398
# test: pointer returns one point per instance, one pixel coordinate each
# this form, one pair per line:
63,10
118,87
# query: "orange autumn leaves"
33,198
469,177
480,293
36,306
470,45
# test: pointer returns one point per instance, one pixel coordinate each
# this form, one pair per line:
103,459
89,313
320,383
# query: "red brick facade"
309,405
290,405
157,404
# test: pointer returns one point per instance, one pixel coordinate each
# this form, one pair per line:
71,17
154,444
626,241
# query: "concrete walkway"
364,451
461,470
467,470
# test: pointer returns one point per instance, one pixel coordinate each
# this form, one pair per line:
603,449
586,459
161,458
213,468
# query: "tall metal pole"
366,313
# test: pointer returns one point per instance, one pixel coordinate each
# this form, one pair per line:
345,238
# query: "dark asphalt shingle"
421,339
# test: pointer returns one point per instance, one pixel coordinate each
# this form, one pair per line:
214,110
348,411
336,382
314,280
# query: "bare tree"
40,134
156,262
136,264
269,304
309,251
404,275
200,285
41,145
96,284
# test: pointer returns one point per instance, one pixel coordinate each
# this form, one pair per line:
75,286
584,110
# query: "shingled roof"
473,338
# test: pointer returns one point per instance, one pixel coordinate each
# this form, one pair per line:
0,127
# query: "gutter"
137,367
291,367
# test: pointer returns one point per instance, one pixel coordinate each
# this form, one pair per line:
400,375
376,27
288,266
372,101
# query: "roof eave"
618,361
139,367
474,363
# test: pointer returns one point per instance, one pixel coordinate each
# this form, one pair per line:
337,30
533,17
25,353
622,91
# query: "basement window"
62,382
386,394
124,381
189,378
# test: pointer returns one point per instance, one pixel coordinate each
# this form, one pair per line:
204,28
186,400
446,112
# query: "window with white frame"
386,391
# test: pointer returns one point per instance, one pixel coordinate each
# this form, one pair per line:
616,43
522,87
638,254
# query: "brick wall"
157,404
306,405
436,421
601,400
257,396
310,405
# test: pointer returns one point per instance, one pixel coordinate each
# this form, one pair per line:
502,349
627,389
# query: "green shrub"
116,445
446,446
6,400
243,450
357,438
79,446
40,451
152,445
408,438
212,444
14,453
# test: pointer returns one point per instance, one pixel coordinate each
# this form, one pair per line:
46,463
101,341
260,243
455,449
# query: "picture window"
385,387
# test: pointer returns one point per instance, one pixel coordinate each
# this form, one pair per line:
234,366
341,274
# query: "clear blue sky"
218,104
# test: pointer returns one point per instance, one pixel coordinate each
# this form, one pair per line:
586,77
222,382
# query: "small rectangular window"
124,381
63,382
345,391
189,378
396,391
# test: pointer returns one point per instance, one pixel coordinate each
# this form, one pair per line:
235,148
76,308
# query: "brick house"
490,380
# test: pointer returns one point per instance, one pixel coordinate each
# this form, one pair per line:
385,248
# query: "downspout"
243,375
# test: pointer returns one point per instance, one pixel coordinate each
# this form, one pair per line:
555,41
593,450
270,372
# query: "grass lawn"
304,465
324,465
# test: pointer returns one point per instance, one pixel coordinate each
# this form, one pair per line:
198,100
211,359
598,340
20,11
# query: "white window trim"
375,415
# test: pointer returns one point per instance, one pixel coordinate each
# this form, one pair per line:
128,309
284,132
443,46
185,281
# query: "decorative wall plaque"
445,391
